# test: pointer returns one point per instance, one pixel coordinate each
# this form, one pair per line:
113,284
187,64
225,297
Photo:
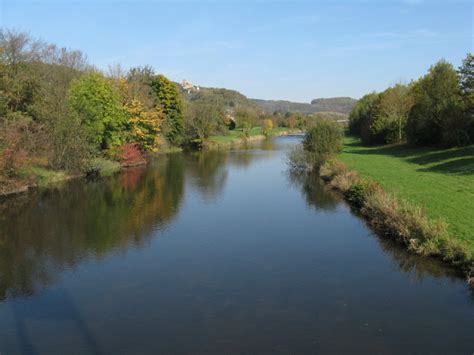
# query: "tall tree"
97,103
436,105
392,114
466,73
362,117
169,99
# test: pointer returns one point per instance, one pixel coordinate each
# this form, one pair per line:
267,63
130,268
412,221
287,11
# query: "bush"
130,154
70,148
267,126
322,141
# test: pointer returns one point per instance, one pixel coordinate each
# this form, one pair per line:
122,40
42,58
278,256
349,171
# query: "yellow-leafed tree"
144,117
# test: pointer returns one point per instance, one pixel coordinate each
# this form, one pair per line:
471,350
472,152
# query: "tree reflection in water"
46,231
318,196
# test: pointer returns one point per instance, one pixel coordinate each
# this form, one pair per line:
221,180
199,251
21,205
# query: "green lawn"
442,181
237,134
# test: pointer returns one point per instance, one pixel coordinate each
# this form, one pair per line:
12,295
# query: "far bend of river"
216,253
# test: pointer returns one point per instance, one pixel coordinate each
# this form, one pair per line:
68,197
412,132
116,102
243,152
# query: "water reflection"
288,274
416,266
44,232
47,231
316,194
207,172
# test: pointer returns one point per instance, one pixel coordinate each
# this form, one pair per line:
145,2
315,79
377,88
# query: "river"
222,252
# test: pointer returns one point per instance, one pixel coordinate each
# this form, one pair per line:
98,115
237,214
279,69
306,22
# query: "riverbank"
421,197
39,176
237,137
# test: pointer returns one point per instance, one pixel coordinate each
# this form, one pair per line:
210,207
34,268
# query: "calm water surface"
218,252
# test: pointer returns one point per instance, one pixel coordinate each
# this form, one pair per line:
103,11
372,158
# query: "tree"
97,103
246,119
435,116
322,141
202,119
144,117
18,80
466,73
144,125
70,149
169,99
363,115
267,126
392,114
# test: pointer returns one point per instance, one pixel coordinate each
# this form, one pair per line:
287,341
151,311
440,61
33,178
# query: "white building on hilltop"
189,87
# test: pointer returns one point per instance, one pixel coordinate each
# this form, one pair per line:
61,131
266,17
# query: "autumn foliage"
130,154
267,126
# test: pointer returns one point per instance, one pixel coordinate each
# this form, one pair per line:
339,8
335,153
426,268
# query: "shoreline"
119,167
396,219
209,145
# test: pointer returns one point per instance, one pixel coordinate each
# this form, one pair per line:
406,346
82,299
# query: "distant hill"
342,105
231,99
335,104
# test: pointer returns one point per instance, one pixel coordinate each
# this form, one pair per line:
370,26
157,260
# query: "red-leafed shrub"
130,154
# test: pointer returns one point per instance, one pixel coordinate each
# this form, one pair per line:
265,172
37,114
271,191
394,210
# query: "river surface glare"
222,252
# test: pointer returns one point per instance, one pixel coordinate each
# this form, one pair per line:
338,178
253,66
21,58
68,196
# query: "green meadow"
441,181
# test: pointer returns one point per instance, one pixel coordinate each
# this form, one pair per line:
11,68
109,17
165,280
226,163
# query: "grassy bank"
421,197
439,181
237,136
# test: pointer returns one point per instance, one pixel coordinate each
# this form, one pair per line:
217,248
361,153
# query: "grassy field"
442,181
237,134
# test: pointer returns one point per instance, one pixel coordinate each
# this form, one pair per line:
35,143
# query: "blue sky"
296,50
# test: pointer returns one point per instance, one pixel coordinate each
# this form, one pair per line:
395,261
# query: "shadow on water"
55,305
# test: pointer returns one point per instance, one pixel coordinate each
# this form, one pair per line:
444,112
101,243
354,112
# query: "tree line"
60,112
437,109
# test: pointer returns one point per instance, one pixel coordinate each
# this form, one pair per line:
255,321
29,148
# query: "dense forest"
437,109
